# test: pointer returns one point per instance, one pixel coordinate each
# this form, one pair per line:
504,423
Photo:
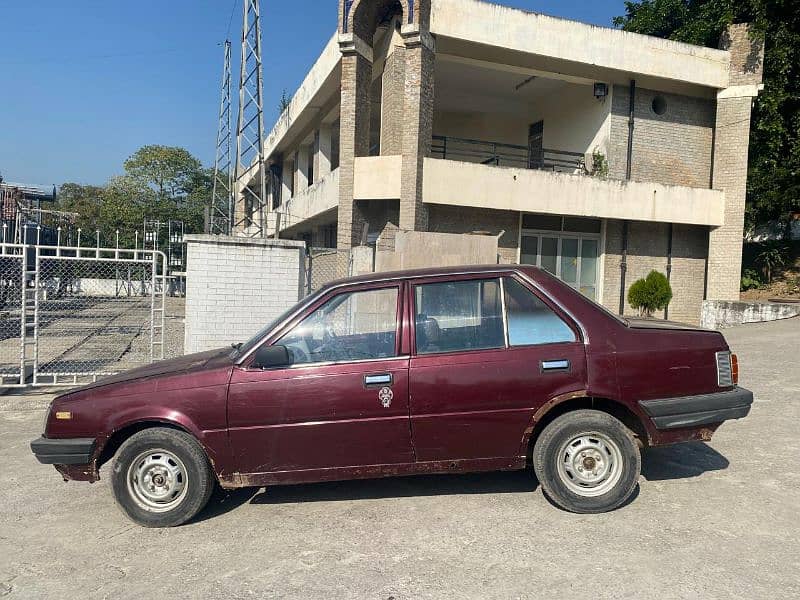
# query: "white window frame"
560,236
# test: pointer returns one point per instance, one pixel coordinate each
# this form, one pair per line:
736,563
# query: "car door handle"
548,366
378,379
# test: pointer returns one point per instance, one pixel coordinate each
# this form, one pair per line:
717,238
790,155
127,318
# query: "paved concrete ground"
716,520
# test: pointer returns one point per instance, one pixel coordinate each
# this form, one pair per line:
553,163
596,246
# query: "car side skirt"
239,480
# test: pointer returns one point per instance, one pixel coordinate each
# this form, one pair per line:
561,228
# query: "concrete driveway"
716,520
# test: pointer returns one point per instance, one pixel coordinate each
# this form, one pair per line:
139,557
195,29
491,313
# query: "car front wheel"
587,462
161,477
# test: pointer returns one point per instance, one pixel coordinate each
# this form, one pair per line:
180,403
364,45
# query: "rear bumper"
75,451
693,411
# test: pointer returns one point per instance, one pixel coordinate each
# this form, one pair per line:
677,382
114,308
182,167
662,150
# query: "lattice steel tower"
250,210
220,219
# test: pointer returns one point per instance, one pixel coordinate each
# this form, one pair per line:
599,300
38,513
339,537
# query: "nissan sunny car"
431,371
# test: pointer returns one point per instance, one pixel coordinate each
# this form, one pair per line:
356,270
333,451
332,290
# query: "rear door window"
530,321
456,316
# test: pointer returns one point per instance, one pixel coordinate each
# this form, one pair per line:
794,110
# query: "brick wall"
235,286
647,251
674,148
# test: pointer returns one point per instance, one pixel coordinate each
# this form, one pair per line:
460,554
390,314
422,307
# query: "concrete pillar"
417,125
323,155
303,156
731,142
287,181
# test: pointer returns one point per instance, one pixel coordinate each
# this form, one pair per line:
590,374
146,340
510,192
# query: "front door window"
348,327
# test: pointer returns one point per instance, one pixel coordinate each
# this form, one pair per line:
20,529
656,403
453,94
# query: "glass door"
571,258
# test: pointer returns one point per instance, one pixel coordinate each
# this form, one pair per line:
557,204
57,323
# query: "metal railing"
507,155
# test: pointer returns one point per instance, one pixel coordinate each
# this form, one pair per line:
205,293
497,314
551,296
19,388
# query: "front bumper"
74,451
693,411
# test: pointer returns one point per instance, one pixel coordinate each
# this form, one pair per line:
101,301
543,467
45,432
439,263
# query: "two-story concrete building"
592,152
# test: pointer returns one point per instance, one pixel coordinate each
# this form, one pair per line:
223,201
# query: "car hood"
661,324
183,364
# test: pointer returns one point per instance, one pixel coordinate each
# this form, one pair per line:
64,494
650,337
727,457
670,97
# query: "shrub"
650,294
772,258
750,280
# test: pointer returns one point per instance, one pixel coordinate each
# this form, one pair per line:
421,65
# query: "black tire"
557,465
167,456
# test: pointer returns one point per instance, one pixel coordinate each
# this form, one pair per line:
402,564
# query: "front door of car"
488,353
343,400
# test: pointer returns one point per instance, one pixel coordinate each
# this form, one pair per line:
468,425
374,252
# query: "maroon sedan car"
430,371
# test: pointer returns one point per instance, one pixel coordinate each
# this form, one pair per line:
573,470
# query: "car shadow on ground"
681,461
511,482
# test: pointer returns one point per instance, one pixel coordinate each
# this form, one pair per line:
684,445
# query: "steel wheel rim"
589,464
157,480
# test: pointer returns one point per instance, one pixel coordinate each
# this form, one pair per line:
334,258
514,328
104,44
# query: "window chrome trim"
504,309
331,363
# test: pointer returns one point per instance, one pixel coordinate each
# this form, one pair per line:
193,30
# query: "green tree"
774,172
168,170
160,183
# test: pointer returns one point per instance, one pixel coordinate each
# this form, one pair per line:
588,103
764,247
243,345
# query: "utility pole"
250,189
220,218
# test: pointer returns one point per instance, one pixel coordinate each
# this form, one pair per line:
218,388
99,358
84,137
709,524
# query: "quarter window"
458,315
531,321
350,326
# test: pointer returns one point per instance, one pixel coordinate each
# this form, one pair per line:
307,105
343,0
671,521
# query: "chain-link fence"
324,265
11,293
72,315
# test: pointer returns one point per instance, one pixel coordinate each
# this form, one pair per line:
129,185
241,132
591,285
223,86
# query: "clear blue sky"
84,83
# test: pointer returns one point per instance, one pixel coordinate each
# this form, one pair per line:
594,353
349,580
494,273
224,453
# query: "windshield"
243,349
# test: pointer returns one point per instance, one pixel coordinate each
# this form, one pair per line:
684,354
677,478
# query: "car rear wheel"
587,462
161,477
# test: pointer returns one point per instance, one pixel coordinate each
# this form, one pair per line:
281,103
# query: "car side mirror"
271,357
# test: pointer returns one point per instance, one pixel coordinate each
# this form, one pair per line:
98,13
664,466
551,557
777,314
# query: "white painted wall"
574,121
317,199
545,192
235,286
377,177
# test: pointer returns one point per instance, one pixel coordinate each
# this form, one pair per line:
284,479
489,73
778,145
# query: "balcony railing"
507,155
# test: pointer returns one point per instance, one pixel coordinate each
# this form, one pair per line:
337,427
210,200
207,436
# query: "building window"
659,105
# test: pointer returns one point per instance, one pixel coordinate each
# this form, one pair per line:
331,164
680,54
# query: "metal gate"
70,315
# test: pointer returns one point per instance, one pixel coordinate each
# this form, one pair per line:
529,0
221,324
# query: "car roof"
430,272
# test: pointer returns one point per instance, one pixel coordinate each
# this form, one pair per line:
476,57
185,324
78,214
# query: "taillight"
735,369
724,369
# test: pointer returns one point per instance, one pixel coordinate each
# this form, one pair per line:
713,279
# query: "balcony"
507,155
476,185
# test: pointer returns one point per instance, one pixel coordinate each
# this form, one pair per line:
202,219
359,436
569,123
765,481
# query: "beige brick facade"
686,136
730,162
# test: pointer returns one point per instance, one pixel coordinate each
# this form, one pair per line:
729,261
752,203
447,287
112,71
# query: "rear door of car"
487,353
344,402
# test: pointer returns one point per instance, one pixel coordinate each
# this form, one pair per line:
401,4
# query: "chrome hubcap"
157,480
589,464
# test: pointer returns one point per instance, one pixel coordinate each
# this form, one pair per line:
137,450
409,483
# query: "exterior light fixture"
600,90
